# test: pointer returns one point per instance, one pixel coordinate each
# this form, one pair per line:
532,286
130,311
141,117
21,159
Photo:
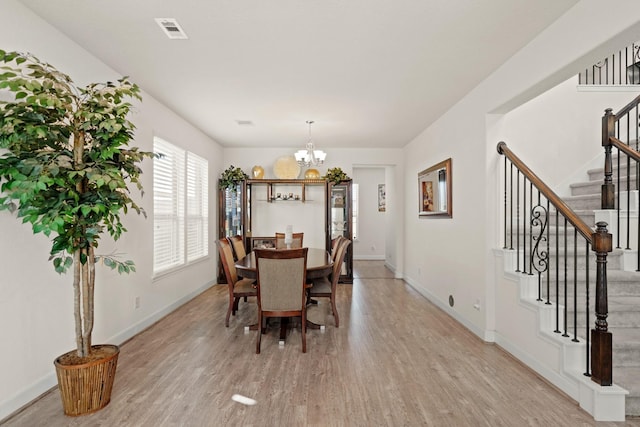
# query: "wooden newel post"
608,188
601,338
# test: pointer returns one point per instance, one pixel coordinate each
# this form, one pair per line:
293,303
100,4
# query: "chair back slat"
228,264
238,246
334,247
339,260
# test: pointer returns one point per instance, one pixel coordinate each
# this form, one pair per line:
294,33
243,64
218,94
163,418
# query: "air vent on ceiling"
171,28
244,122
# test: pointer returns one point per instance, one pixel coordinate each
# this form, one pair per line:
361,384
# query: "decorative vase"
257,172
312,174
86,387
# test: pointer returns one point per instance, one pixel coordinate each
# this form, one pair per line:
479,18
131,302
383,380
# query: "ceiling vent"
171,28
244,122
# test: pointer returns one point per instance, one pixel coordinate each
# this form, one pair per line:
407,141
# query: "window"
180,207
354,209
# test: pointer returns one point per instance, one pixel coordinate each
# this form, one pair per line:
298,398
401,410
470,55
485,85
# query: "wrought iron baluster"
548,254
505,203
511,207
531,234
539,219
628,203
565,334
557,330
575,285
637,187
618,186
524,224
517,220
613,66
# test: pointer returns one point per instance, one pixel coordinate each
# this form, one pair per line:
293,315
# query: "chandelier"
310,156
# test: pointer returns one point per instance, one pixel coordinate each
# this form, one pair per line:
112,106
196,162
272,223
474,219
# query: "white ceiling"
371,73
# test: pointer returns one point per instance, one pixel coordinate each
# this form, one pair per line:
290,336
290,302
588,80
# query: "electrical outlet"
137,303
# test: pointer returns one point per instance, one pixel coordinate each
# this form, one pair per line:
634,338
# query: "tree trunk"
86,319
77,301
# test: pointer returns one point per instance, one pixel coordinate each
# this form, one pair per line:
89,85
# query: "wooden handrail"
627,108
553,198
624,148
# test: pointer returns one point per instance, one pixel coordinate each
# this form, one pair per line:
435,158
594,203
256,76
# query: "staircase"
623,292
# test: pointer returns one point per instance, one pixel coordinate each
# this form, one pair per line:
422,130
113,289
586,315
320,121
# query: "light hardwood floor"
396,360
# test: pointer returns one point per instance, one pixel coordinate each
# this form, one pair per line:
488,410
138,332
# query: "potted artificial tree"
65,168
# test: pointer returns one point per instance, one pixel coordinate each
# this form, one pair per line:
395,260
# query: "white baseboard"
143,324
485,335
368,257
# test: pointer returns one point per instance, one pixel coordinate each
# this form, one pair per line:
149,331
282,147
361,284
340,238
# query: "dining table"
319,264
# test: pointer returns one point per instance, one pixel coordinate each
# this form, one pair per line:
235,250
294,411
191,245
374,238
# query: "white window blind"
197,207
180,206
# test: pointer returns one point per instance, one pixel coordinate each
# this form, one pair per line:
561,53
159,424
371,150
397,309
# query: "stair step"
597,174
590,201
594,187
629,379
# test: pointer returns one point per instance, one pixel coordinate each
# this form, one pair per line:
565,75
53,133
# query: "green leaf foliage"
231,177
336,175
65,161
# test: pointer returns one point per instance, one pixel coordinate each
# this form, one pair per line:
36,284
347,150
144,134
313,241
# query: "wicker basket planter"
86,387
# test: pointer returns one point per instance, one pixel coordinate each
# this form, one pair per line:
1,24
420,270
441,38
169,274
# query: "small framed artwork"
382,198
434,191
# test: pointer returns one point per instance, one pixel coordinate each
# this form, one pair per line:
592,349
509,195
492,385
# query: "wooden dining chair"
238,288
334,246
238,246
281,287
295,243
326,286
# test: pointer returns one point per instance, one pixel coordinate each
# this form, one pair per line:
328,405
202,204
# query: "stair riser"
584,203
598,173
632,405
595,187
613,263
621,290
625,357
587,215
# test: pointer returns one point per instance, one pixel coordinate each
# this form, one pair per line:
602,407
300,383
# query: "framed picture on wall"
434,191
382,198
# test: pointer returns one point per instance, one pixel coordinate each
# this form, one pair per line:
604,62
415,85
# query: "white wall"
308,217
36,312
349,160
453,256
562,119
370,243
